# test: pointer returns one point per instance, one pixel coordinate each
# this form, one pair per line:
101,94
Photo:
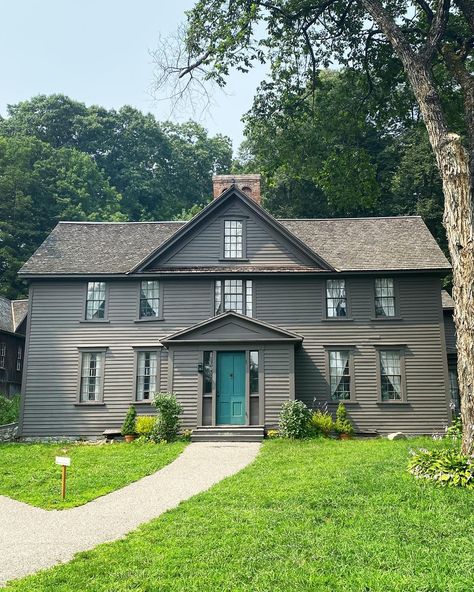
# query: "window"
233,239
384,297
149,299
92,373
390,375
336,298
3,354
146,375
95,302
340,375
454,389
207,374
19,355
236,295
253,372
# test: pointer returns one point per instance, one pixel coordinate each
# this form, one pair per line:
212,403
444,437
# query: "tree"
431,39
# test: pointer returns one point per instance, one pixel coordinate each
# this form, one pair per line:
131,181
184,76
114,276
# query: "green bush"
454,431
342,424
321,423
129,425
272,434
167,423
9,409
445,466
294,420
144,425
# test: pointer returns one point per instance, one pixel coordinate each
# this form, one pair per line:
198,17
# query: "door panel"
230,388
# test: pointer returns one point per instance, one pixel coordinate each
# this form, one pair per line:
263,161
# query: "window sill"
94,321
141,402
234,259
384,319
337,319
149,320
392,403
345,401
89,404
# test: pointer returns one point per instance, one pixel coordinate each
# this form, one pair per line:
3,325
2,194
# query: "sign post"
65,462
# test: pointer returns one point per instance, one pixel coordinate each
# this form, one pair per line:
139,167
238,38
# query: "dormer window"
233,239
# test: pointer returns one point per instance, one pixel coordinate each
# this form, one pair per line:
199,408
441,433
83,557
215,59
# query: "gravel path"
32,538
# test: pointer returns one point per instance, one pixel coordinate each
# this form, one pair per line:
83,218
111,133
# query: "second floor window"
19,355
336,299
95,301
384,297
3,354
236,295
340,375
149,299
233,239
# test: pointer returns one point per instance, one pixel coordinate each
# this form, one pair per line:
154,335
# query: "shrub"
343,424
186,435
144,425
322,423
294,419
454,431
272,434
9,409
129,425
445,466
167,423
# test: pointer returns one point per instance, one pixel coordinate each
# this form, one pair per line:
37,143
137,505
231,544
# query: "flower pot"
345,437
129,438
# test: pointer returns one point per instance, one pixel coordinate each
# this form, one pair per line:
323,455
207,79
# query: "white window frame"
400,350
156,376
331,284
247,292
105,300
385,290
229,239
159,291
83,352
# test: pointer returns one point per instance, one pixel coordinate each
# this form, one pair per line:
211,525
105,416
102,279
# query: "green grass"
28,472
305,516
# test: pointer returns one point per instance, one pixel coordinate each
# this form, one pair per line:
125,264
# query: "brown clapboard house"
236,312
12,344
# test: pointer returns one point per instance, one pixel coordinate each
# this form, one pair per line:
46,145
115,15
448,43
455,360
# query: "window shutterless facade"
96,301
233,239
384,297
147,375
340,375
391,370
149,299
92,376
336,299
19,356
235,295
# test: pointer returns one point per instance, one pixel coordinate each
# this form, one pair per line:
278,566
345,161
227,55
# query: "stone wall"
8,432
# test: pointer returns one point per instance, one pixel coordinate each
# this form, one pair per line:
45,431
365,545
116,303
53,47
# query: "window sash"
390,375
95,300
208,366
233,239
3,354
235,295
146,379
19,355
92,367
339,375
384,297
149,299
336,298
254,372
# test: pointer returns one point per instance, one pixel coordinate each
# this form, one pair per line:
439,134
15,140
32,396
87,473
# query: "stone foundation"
8,432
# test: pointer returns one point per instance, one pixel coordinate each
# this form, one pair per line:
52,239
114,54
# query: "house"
12,344
450,335
236,312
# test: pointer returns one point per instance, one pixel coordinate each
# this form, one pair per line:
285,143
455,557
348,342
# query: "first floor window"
336,299
19,355
3,354
236,295
95,301
384,297
390,375
339,375
92,373
149,299
146,375
253,372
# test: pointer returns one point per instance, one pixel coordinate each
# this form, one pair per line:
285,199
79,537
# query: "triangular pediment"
198,244
231,327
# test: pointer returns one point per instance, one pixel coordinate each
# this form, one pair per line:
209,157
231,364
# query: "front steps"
228,434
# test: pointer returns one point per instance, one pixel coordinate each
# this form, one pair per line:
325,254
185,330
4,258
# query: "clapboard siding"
278,381
264,245
185,383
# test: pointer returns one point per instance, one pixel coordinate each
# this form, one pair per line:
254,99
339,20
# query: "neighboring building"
236,312
450,334
12,344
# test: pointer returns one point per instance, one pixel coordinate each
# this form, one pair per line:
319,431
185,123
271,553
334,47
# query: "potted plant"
342,425
129,425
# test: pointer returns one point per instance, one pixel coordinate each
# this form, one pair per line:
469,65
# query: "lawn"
305,516
28,472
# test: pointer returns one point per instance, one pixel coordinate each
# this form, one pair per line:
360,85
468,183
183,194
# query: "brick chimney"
249,184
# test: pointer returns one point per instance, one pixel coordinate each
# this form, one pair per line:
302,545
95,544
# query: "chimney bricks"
248,184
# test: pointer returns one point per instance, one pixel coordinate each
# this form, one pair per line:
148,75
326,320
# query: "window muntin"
390,375
92,372
19,356
340,375
149,299
336,298
235,295
95,301
3,354
384,297
254,372
233,239
207,371
146,375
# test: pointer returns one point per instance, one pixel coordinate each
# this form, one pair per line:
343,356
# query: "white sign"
65,461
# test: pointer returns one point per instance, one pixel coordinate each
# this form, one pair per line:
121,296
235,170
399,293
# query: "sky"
98,52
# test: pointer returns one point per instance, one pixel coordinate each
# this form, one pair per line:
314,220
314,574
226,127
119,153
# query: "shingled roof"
447,300
12,314
347,244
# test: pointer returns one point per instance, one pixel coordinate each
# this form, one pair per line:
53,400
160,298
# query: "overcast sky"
97,51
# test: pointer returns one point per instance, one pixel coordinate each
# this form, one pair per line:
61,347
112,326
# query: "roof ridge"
124,222
349,218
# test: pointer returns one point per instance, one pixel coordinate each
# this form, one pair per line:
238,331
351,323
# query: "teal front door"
230,388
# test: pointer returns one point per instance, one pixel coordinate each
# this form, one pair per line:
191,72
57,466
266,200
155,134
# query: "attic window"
233,239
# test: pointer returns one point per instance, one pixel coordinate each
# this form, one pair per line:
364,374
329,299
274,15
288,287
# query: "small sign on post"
63,461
